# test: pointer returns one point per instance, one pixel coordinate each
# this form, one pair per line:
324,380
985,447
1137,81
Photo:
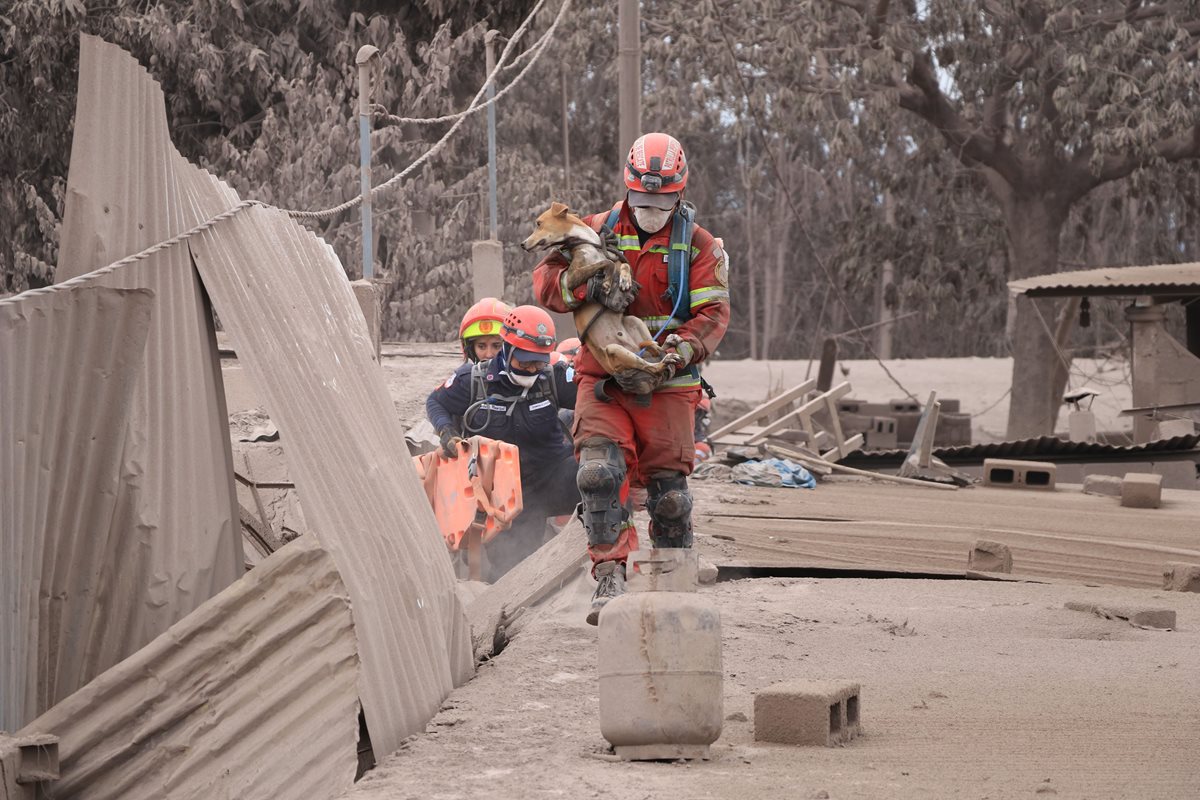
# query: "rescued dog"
613,339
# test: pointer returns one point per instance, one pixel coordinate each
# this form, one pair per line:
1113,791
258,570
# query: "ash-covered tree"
1047,100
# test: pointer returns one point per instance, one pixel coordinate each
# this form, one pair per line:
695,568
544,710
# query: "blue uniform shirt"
532,425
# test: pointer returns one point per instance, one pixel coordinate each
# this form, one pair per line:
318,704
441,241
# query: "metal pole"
566,131
629,76
366,54
489,45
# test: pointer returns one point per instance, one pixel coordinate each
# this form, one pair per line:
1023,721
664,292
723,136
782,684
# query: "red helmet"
529,328
656,164
569,348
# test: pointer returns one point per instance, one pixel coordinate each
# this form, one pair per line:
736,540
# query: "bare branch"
928,102
1181,147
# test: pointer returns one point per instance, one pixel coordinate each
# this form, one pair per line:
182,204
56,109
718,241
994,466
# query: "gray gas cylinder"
661,693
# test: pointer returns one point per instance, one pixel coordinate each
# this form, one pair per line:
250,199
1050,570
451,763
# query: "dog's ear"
558,209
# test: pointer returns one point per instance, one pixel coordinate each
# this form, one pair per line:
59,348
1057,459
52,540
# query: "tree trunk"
1034,224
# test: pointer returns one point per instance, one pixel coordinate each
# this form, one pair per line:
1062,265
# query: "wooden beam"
772,405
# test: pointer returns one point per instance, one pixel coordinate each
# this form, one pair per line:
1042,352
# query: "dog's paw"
674,359
625,280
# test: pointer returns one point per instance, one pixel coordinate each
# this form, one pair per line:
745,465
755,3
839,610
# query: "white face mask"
522,380
651,220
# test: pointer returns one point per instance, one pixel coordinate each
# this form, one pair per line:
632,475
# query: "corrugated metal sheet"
69,360
1043,447
1158,279
176,539
292,316
253,695
285,301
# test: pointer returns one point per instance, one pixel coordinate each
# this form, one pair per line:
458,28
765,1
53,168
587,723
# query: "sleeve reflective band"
707,294
567,294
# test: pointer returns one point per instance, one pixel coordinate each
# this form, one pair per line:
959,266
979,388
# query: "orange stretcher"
474,496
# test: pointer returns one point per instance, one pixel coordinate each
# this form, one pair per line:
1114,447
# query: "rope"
441,143
165,244
538,48
759,128
381,111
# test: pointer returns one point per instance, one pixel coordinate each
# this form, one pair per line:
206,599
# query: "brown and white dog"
615,340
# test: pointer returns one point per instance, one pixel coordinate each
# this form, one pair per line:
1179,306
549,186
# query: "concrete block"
1102,484
988,556
707,573
1141,490
1019,474
27,764
824,713
1180,577
487,269
370,299
881,435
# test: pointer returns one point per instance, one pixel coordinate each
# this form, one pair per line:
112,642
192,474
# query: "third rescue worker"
638,431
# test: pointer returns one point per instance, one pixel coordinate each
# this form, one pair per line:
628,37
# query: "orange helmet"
483,318
656,164
530,329
569,348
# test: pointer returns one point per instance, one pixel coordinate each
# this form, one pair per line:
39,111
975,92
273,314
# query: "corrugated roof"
176,540
1045,447
252,695
1181,280
284,299
69,360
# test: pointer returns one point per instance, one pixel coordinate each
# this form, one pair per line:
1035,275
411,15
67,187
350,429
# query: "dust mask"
521,379
652,220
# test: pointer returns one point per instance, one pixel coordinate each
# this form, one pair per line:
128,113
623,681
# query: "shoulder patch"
722,268
450,381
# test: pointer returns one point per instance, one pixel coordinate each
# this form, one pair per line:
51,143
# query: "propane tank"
661,693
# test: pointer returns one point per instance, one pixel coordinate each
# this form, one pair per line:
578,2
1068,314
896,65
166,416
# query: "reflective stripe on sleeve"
707,294
567,295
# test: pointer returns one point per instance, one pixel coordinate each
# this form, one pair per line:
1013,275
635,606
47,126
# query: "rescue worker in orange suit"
515,397
479,331
634,429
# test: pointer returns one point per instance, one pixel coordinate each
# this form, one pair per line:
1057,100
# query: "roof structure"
1160,280
1047,448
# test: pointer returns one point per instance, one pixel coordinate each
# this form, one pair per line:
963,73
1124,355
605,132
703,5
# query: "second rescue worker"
630,430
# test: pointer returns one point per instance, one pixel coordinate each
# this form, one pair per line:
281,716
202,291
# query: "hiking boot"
610,583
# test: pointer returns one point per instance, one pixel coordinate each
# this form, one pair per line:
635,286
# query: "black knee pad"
599,478
670,505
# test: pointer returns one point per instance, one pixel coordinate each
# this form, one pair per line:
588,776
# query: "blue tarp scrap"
791,474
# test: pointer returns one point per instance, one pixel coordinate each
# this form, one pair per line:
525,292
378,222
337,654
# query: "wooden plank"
806,410
844,449
774,404
550,567
1062,535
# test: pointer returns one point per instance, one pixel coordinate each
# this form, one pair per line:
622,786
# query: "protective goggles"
541,340
654,181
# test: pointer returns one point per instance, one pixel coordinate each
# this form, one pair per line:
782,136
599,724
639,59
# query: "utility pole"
489,44
566,131
364,59
629,75
884,312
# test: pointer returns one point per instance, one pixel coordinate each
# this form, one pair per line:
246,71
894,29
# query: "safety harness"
679,260
479,395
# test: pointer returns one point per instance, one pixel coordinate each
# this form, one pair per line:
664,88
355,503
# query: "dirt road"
969,690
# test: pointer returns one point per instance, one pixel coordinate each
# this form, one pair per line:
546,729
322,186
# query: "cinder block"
1019,474
988,556
881,435
1180,577
1141,490
1170,428
824,713
1102,484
